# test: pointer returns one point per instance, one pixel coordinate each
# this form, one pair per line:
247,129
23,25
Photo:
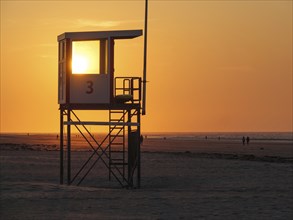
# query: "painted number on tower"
90,88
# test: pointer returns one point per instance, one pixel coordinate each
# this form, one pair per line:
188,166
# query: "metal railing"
128,86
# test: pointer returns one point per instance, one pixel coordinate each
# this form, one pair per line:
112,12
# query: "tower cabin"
86,71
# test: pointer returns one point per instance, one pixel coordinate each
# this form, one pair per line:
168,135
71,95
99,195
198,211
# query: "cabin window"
89,57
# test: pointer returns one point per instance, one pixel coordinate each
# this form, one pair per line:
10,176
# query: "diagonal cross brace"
95,152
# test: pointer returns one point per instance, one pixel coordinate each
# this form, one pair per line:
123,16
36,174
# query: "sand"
203,179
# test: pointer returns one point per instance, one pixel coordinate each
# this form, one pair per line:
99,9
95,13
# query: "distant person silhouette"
243,140
247,140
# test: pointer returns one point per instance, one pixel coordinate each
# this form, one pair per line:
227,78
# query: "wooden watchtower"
86,81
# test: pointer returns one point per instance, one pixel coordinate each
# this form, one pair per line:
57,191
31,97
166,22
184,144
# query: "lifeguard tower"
87,82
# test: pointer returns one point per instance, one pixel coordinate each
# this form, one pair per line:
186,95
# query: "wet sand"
199,179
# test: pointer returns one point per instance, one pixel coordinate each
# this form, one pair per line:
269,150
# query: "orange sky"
212,65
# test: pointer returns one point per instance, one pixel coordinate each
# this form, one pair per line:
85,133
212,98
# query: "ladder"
117,156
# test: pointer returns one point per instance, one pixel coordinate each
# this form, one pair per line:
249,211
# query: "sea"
184,136
265,136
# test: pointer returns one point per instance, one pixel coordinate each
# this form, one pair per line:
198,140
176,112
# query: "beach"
181,179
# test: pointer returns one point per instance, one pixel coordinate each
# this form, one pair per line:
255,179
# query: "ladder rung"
116,120
116,159
118,163
116,135
116,111
117,144
119,139
116,151
116,127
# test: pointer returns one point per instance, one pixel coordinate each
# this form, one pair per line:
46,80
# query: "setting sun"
85,57
79,64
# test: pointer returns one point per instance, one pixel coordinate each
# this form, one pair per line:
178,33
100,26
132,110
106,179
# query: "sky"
213,66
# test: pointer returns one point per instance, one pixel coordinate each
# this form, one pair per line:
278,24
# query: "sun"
80,64
86,57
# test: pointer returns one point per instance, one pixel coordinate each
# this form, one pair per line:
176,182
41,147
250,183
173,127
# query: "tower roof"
93,35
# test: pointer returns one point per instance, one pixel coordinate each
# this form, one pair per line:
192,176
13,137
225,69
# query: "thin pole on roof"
145,59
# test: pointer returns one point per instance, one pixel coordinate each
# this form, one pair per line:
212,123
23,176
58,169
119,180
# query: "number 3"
90,88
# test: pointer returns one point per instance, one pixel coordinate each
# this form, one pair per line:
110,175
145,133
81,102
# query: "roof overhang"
94,35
